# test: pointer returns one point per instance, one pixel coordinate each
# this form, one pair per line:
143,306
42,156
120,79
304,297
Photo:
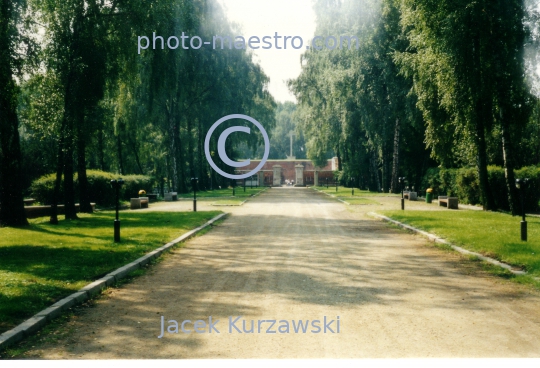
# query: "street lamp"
116,184
521,185
401,181
194,182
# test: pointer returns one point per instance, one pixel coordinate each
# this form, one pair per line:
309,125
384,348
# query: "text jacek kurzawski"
239,325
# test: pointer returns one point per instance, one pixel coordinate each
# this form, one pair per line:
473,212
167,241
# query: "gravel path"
293,254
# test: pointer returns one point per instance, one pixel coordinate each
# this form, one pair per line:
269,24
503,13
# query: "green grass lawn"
358,200
347,192
494,234
239,192
43,263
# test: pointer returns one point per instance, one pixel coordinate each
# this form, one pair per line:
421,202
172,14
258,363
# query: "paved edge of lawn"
35,323
217,204
228,205
251,196
436,239
335,197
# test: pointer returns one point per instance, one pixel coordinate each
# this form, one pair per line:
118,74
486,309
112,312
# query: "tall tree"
11,197
466,58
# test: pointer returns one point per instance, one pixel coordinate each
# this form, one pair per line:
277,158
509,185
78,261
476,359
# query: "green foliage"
466,63
280,141
354,103
99,187
464,184
467,186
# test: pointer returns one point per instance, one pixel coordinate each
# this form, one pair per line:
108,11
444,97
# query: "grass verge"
358,201
43,263
347,192
493,234
238,192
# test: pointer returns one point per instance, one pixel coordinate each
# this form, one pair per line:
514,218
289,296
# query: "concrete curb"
436,239
229,205
262,191
36,322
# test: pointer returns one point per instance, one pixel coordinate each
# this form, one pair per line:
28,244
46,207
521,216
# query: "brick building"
302,172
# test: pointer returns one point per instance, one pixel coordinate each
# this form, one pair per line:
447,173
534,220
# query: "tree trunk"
481,160
173,131
119,152
179,157
69,189
190,148
70,111
11,197
481,116
394,186
84,196
203,178
58,181
375,183
508,158
135,149
101,153
384,172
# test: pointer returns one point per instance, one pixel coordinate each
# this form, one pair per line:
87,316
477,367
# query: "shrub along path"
294,254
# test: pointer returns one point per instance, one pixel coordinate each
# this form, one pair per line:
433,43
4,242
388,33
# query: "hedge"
99,187
464,184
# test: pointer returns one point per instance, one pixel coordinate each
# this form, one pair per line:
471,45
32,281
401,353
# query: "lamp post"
116,184
401,181
194,182
521,185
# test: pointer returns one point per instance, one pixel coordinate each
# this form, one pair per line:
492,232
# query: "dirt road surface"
293,254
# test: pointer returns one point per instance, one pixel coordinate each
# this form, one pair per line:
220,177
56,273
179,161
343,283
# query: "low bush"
99,187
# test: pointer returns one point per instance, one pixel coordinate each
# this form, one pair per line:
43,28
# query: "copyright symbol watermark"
221,146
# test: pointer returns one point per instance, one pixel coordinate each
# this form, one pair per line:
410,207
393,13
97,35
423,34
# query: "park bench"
152,197
411,196
172,196
137,203
29,201
448,202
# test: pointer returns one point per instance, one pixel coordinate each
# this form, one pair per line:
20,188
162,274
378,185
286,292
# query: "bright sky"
264,18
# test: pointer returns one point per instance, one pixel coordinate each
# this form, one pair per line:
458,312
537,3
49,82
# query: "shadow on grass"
62,263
